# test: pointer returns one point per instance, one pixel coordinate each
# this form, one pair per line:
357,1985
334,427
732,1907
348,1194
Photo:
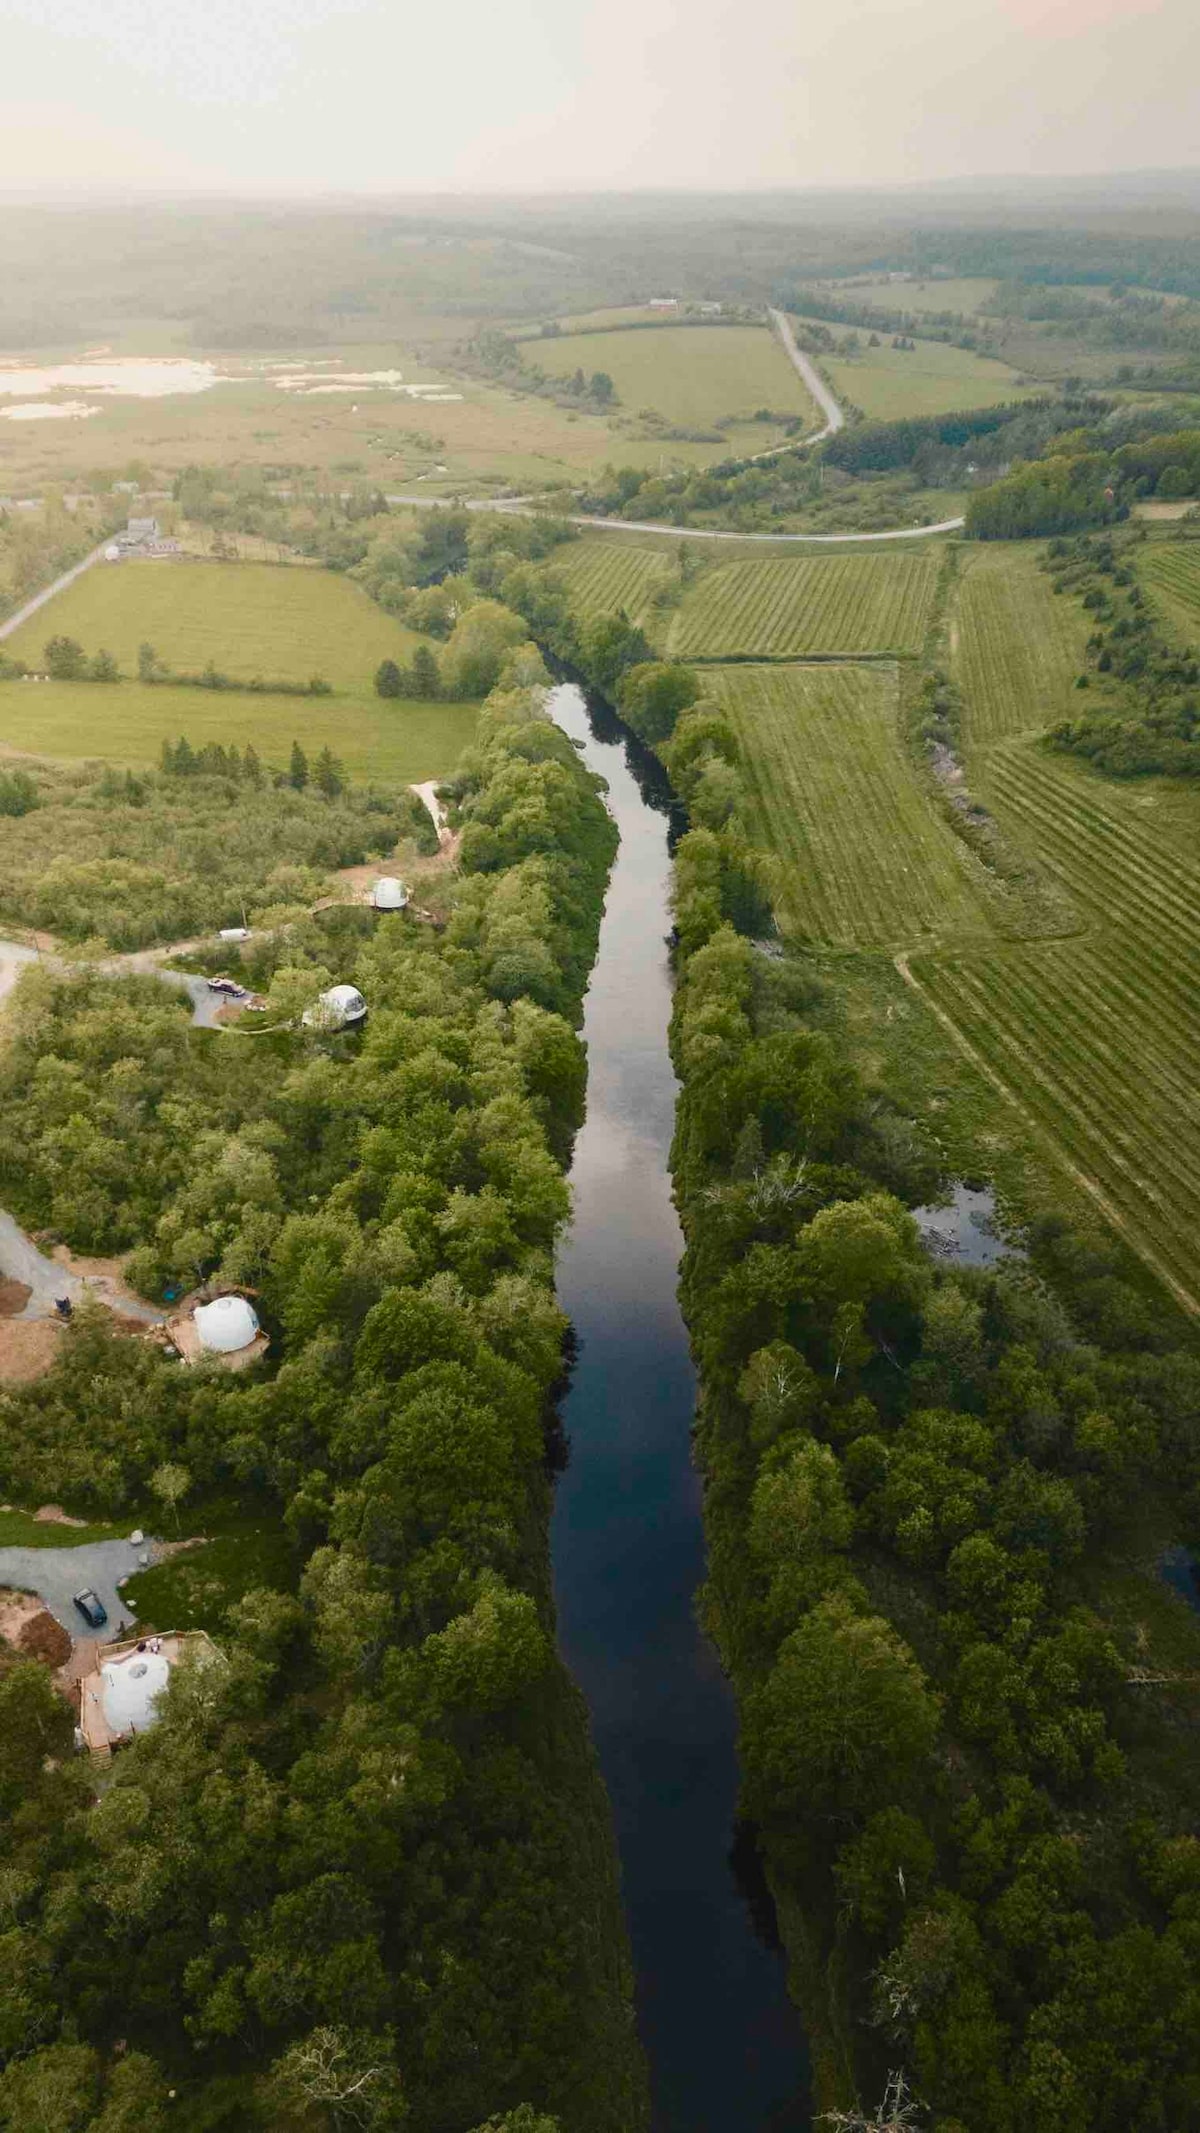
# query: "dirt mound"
41,1637
14,1295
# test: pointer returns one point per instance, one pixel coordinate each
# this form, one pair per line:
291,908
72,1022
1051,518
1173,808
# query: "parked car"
91,1607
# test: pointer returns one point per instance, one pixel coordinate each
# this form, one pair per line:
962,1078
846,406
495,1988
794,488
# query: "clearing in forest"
607,576
249,619
1018,645
1171,576
781,607
864,858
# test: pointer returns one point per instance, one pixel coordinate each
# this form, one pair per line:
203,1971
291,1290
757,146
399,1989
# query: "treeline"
929,442
361,1873
122,859
496,355
974,1815
1149,719
65,659
1084,482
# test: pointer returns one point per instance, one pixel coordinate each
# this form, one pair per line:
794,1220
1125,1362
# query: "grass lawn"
863,857
195,1590
20,1529
693,376
249,618
928,379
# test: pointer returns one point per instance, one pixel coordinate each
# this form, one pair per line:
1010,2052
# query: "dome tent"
389,894
335,1009
226,1324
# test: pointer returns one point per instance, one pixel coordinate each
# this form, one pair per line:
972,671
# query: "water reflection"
724,2042
965,1228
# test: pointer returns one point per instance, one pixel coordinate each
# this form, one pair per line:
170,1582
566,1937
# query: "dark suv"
91,1607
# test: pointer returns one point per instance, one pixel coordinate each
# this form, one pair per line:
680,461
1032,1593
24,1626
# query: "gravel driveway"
55,1573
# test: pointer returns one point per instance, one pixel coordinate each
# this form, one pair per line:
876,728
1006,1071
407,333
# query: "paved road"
678,533
50,592
55,1573
834,418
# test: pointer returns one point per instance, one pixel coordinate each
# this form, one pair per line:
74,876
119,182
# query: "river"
724,2043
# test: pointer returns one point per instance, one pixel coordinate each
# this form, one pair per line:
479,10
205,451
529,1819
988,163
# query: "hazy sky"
406,95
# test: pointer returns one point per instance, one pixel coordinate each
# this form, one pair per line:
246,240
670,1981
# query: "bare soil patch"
27,1348
14,1295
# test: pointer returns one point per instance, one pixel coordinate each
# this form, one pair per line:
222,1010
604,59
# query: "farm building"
389,894
138,532
224,1331
120,1698
339,1008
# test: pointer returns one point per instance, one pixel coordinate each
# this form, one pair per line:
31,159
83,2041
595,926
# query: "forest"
377,1828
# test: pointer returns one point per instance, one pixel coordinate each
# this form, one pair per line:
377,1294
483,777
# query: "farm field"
791,606
249,619
692,376
1171,576
1097,1036
865,860
1016,646
961,293
607,575
931,378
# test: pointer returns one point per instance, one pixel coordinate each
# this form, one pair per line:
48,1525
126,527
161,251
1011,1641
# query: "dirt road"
50,592
811,376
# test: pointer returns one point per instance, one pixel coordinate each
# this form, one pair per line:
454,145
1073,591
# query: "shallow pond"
965,1228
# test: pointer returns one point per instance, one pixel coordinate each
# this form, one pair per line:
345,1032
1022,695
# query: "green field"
784,607
249,619
1016,646
693,376
931,378
963,294
605,576
866,861
1171,576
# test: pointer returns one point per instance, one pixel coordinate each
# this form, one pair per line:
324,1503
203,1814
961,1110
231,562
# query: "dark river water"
725,2046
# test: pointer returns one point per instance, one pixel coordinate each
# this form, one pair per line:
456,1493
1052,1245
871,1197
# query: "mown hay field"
606,576
864,859
785,607
1016,645
694,375
1171,576
249,619
931,378
1098,1036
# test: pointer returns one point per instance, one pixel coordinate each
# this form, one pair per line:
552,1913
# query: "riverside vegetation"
376,1831
968,1719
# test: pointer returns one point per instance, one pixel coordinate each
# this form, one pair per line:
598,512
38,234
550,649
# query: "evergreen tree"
298,768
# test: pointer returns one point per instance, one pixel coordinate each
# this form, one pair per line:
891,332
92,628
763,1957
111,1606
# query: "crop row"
1103,1055
863,858
1172,578
1121,864
605,576
790,606
1017,645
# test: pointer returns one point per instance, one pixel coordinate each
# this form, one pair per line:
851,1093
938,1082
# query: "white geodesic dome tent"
334,1009
226,1324
389,894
